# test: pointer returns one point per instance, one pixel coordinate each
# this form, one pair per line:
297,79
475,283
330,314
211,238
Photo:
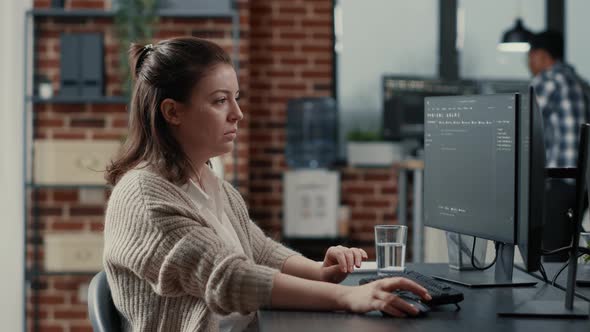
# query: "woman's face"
208,122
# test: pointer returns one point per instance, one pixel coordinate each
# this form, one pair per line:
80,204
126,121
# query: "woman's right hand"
378,295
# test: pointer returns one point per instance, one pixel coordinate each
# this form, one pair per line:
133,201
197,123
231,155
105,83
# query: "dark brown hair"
168,69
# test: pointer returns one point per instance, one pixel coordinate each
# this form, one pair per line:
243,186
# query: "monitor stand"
557,309
554,309
502,276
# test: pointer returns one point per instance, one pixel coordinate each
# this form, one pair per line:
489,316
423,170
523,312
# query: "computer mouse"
413,300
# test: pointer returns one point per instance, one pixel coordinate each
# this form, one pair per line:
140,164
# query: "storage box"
73,252
374,153
72,161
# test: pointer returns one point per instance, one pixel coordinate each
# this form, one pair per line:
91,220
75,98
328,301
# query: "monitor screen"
403,103
471,165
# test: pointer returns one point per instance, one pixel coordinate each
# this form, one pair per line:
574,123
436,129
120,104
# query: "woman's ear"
171,111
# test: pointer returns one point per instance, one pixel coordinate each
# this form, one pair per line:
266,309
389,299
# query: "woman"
181,253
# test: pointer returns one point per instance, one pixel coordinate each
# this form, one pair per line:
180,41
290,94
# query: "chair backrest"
101,309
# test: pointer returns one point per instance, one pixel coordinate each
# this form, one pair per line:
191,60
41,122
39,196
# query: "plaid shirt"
561,101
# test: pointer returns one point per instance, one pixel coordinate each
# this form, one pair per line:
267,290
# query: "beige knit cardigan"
167,268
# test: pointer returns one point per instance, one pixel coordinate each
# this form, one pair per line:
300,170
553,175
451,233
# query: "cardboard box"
73,252
72,161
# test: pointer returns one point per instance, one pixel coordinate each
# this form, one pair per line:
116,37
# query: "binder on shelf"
82,64
69,73
92,65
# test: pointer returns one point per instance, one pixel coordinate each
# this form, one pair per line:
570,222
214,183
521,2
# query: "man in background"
564,107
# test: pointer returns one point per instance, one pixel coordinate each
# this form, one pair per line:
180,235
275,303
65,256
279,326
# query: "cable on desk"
496,244
562,268
543,273
555,251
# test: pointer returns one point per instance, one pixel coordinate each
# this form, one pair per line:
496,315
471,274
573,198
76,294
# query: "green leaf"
135,22
359,135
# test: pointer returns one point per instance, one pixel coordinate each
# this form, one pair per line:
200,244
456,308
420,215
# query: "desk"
583,273
478,313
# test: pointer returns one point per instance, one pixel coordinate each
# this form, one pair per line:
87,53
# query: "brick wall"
371,194
61,211
290,57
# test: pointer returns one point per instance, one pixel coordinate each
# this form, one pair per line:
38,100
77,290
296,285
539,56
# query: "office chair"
101,309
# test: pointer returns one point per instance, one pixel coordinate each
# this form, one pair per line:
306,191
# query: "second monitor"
484,177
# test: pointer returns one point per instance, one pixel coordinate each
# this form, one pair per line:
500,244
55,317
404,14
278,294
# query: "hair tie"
144,52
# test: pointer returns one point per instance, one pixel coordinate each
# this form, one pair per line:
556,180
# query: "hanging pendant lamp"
516,39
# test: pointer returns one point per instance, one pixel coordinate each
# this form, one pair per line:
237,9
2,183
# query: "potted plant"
366,148
135,22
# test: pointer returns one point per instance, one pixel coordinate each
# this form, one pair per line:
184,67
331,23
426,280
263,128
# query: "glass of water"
390,245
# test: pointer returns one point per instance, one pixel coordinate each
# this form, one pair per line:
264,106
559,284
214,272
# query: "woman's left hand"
340,261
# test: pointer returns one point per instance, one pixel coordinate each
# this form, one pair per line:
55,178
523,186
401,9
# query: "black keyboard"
441,292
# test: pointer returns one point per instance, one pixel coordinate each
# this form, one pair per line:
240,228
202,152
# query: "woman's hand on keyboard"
378,295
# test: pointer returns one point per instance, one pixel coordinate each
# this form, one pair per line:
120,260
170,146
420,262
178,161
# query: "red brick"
281,73
260,137
109,108
65,196
389,190
40,195
317,48
67,226
70,314
66,285
87,211
356,189
390,217
322,35
80,328
87,122
379,177
293,35
48,63
323,11
41,108
41,3
294,60
46,327
282,48
120,123
291,9
49,211
51,299
87,4
316,74
291,86
313,23
377,203
68,135
68,108
106,136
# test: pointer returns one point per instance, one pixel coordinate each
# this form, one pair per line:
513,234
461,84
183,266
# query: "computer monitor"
484,161
403,103
487,86
568,308
531,177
